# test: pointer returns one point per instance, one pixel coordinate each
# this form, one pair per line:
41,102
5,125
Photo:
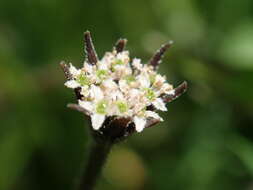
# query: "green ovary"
150,94
122,106
117,62
101,74
83,80
130,78
101,107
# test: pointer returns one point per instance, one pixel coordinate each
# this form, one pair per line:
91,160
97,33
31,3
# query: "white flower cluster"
115,87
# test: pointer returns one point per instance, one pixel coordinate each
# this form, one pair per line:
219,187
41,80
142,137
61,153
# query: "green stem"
96,160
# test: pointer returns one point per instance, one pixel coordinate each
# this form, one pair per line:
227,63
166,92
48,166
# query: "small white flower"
102,65
159,81
108,58
123,56
109,85
124,87
96,93
143,80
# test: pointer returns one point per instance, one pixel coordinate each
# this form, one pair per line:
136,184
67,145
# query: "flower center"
130,78
101,74
150,94
122,106
101,107
117,62
83,80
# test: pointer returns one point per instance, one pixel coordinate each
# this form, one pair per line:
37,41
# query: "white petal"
137,63
108,57
72,84
160,78
119,95
134,92
139,123
153,115
123,86
159,104
96,93
166,89
124,56
144,81
85,91
102,65
73,70
86,105
109,84
97,120
87,67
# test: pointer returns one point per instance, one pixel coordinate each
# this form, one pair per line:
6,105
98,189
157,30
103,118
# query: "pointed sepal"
91,54
120,45
65,69
157,58
181,89
79,108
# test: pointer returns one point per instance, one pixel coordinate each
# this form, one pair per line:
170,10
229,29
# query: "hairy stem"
96,160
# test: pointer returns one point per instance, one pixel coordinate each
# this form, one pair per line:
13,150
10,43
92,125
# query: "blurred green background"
206,141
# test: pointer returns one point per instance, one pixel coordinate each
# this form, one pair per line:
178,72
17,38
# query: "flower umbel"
119,94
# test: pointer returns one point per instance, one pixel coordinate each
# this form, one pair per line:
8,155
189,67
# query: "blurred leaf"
237,48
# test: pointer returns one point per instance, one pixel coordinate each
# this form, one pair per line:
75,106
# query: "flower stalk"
97,157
